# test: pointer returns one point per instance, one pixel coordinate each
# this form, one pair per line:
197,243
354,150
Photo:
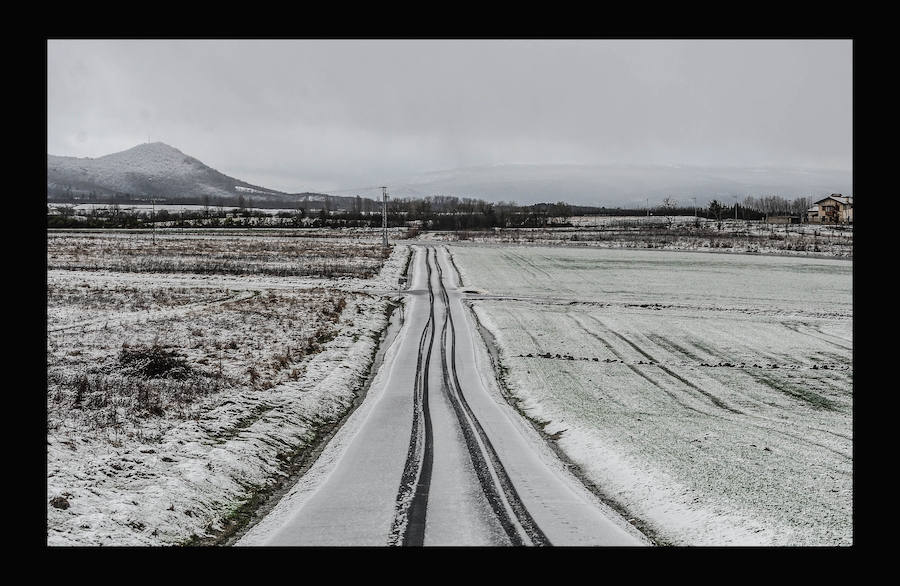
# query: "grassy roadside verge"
262,499
294,463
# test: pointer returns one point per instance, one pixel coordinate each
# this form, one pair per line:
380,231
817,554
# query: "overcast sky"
297,115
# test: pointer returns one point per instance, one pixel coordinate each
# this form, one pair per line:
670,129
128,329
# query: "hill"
167,175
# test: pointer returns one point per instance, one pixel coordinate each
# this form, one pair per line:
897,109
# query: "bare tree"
668,205
716,209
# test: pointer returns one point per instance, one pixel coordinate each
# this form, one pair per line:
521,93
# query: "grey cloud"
340,112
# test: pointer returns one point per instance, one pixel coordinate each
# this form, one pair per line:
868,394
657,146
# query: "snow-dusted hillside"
167,174
147,169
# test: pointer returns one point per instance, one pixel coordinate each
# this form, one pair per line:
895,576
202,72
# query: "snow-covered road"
434,455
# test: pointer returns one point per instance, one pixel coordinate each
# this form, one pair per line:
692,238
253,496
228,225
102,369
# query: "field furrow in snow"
710,397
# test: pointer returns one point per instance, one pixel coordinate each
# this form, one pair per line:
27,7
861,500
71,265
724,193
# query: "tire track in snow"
632,367
797,329
499,490
715,400
800,393
408,526
526,265
761,421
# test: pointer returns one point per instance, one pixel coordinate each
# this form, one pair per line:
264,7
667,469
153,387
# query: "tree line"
437,212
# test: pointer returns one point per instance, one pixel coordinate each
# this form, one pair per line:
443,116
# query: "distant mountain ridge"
625,185
164,173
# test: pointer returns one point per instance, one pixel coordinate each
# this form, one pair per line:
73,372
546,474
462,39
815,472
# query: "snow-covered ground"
349,497
218,253
729,225
253,366
672,233
710,396
88,208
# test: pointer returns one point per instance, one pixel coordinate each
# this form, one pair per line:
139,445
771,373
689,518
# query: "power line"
402,187
406,187
353,190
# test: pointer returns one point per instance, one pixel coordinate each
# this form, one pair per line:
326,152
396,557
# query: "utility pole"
152,212
152,217
384,239
735,206
647,200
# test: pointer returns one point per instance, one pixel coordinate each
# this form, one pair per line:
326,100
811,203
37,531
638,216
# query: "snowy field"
224,253
186,380
146,208
674,233
198,216
709,396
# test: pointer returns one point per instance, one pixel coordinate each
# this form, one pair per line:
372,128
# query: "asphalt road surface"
436,458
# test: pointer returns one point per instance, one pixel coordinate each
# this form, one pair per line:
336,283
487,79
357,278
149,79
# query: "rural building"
812,215
782,219
834,209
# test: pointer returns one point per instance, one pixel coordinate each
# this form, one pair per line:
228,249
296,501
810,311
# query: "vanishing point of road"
436,458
